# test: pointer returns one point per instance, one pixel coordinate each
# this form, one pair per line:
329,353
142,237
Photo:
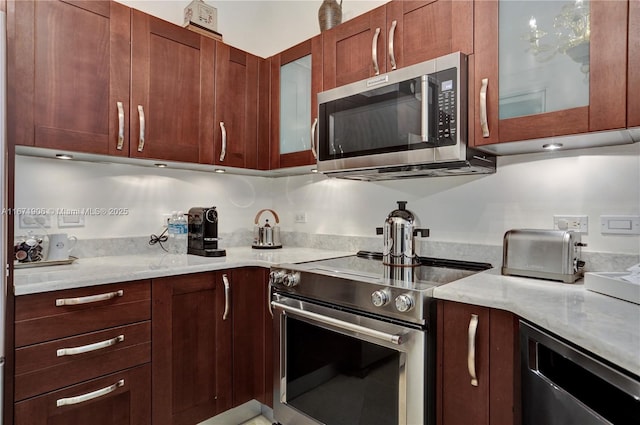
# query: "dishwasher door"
562,385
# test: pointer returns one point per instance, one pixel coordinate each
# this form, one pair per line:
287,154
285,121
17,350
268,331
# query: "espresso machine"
203,232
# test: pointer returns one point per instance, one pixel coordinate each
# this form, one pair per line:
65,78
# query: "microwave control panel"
447,89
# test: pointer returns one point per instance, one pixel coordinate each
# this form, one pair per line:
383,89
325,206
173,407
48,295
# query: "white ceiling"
262,27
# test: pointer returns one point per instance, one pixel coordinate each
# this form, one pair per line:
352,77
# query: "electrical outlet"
301,217
579,223
28,221
165,220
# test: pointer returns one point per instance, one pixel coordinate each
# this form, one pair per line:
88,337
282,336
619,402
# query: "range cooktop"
364,283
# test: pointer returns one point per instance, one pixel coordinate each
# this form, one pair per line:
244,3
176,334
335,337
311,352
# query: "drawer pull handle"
89,299
89,396
471,355
89,347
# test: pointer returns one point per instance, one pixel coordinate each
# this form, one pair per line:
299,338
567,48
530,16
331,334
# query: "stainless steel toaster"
545,254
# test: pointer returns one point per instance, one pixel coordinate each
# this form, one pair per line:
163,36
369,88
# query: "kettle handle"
275,215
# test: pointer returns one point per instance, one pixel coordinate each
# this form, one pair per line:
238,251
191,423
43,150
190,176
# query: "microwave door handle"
425,108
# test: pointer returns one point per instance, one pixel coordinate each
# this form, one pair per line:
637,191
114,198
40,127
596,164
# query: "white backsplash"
525,192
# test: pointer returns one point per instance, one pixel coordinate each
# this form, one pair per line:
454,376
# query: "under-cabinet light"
64,156
552,146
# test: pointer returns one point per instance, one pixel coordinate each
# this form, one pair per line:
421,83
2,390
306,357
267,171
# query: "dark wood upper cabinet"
68,64
236,108
428,29
633,100
171,90
397,34
284,153
354,49
491,336
516,113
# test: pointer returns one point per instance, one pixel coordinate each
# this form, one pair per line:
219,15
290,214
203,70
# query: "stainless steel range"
354,339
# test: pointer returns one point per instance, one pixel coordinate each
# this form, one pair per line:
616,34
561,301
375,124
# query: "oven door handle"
387,337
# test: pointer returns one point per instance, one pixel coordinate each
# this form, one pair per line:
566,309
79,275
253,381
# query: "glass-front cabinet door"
548,68
296,79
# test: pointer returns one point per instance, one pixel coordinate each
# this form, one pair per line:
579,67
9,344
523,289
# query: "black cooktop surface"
368,266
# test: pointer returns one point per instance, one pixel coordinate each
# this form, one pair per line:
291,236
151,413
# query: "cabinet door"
296,81
69,67
236,103
122,398
487,339
462,402
633,100
539,84
423,30
171,90
249,302
355,50
191,349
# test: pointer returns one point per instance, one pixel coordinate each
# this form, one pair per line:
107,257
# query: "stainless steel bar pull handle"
142,123
269,292
392,33
424,87
89,347
120,126
471,354
394,339
89,299
313,138
374,51
227,295
89,396
484,122
223,150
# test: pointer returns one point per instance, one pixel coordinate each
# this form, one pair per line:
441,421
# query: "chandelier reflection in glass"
571,31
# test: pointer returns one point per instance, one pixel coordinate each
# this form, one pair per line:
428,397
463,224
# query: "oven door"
340,368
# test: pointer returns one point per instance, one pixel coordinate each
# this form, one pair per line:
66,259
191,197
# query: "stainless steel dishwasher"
563,385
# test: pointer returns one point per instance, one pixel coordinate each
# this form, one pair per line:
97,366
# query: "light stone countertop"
113,269
604,325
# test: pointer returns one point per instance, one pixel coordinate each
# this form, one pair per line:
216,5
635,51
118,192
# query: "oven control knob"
404,303
276,277
380,298
291,280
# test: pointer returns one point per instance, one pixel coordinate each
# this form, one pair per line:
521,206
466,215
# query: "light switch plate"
620,224
70,220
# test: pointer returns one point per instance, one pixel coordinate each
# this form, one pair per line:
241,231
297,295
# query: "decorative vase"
329,14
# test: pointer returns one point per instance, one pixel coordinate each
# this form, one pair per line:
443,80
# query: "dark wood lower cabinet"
494,399
122,398
209,344
191,349
249,310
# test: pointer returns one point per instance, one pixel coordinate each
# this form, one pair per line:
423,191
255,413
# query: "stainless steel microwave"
410,122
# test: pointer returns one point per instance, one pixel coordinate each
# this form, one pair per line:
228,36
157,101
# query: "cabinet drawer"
52,315
119,398
56,364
